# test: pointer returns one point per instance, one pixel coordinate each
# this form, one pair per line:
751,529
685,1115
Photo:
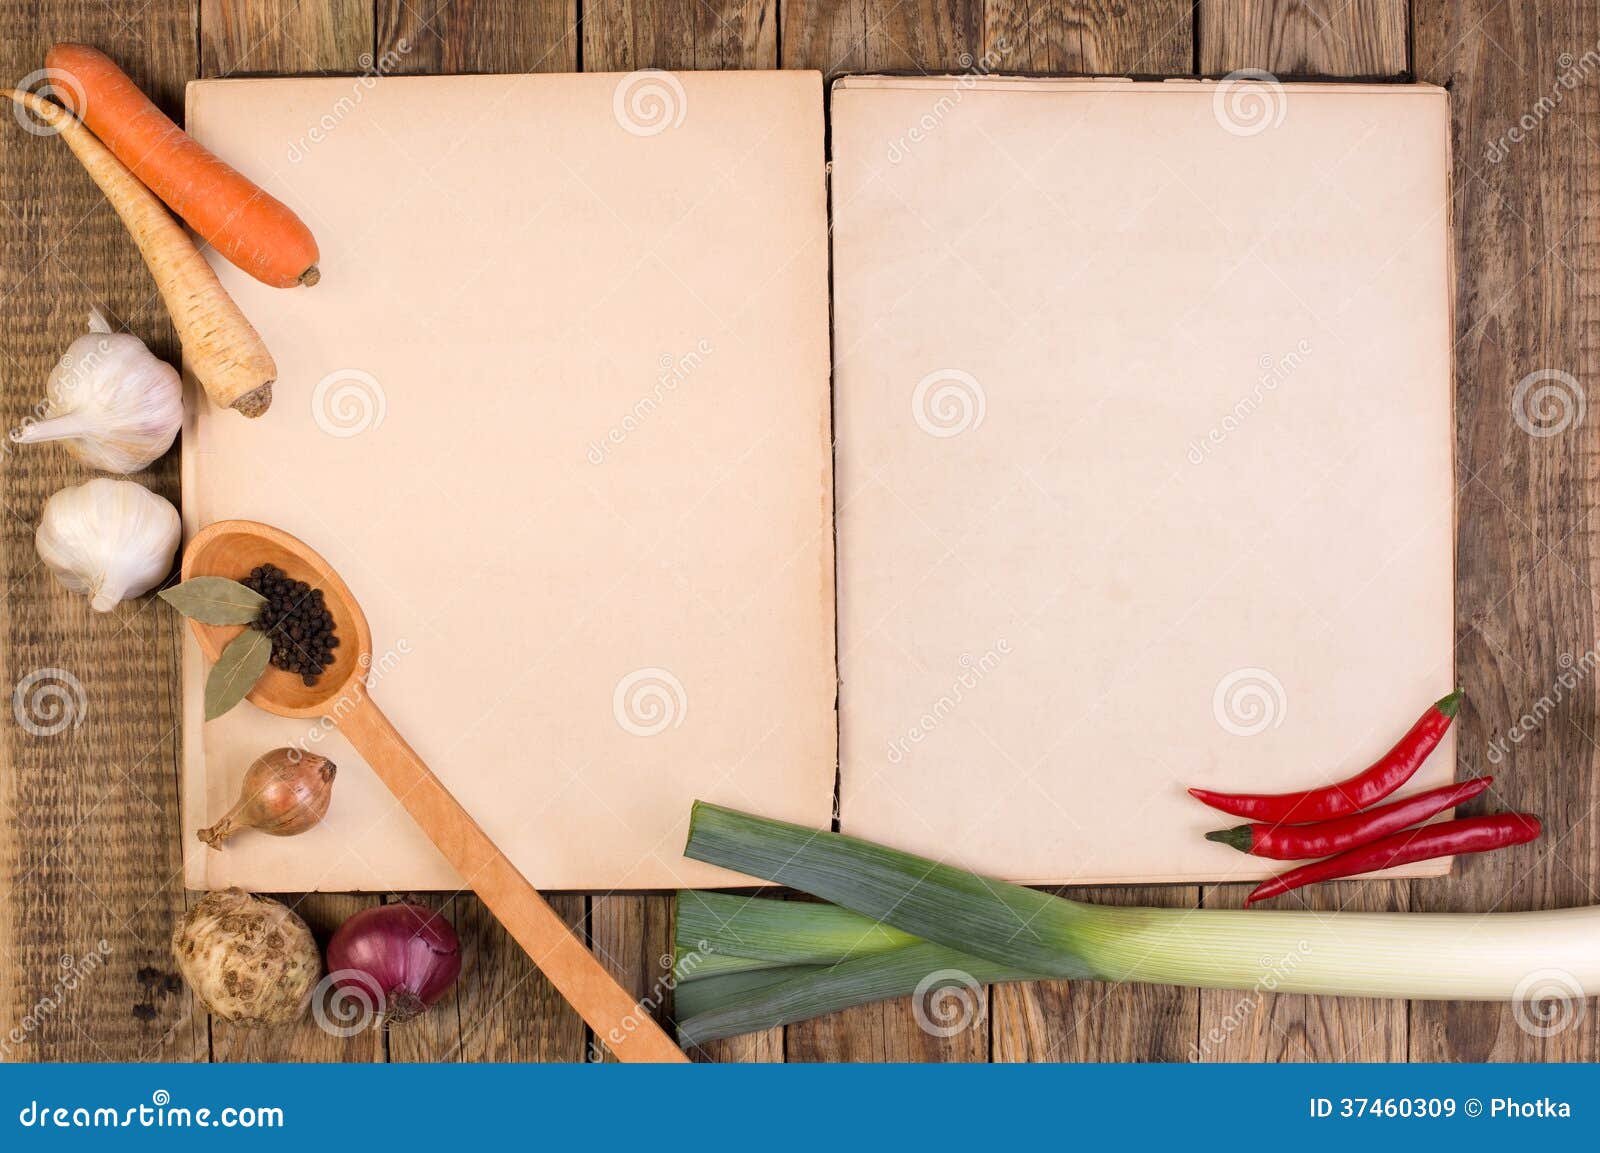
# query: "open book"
1134,471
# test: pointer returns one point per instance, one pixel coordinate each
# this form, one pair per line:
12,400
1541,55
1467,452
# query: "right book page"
1144,466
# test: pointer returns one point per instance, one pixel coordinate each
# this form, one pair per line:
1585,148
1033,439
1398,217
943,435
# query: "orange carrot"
252,229
219,345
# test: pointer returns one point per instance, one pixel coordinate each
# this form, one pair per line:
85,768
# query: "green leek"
1009,933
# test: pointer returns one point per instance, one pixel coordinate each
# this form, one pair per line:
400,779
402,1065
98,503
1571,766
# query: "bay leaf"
214,600
236,672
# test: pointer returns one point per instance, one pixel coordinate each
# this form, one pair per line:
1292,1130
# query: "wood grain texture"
624,35
1094,37
89,853
1526,115
507,1010
882,35
283,37
1347,38
418,37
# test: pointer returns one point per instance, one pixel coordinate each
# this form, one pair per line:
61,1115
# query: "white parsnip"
220,346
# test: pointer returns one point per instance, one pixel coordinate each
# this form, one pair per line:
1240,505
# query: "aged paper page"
558,413
1143,406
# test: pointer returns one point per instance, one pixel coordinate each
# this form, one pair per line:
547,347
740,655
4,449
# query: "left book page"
558,413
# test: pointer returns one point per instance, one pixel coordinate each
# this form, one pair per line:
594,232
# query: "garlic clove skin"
116,405
109,539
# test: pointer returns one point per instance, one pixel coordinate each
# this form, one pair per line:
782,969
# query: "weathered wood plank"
1526,112
1096,37
508,1010
270,37
89,854
886,35
622,35
1305,37
444,36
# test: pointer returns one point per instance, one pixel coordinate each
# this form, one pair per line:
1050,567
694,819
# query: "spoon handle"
617,1020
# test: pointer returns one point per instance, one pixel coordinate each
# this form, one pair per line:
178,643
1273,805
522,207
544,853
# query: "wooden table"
89,850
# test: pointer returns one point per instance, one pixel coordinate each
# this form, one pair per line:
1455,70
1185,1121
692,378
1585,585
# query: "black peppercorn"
294,617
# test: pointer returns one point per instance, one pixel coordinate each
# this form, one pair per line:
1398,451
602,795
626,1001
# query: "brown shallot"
285,792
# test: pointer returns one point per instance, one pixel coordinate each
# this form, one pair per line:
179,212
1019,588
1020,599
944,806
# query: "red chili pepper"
1367,787
1324,838
1467,835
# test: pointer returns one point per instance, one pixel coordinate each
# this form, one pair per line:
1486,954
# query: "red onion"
405,956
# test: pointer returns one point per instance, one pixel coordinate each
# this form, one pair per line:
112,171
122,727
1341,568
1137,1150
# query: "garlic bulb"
111,400
112,539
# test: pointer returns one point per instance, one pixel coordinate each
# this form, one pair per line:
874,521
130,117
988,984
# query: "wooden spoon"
231,548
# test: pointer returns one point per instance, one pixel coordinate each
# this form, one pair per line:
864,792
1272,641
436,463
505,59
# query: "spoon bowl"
231,548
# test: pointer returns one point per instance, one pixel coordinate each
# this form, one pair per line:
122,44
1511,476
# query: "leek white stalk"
1010,933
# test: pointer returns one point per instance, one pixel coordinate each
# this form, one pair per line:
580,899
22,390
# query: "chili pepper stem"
1451,705
1239,837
